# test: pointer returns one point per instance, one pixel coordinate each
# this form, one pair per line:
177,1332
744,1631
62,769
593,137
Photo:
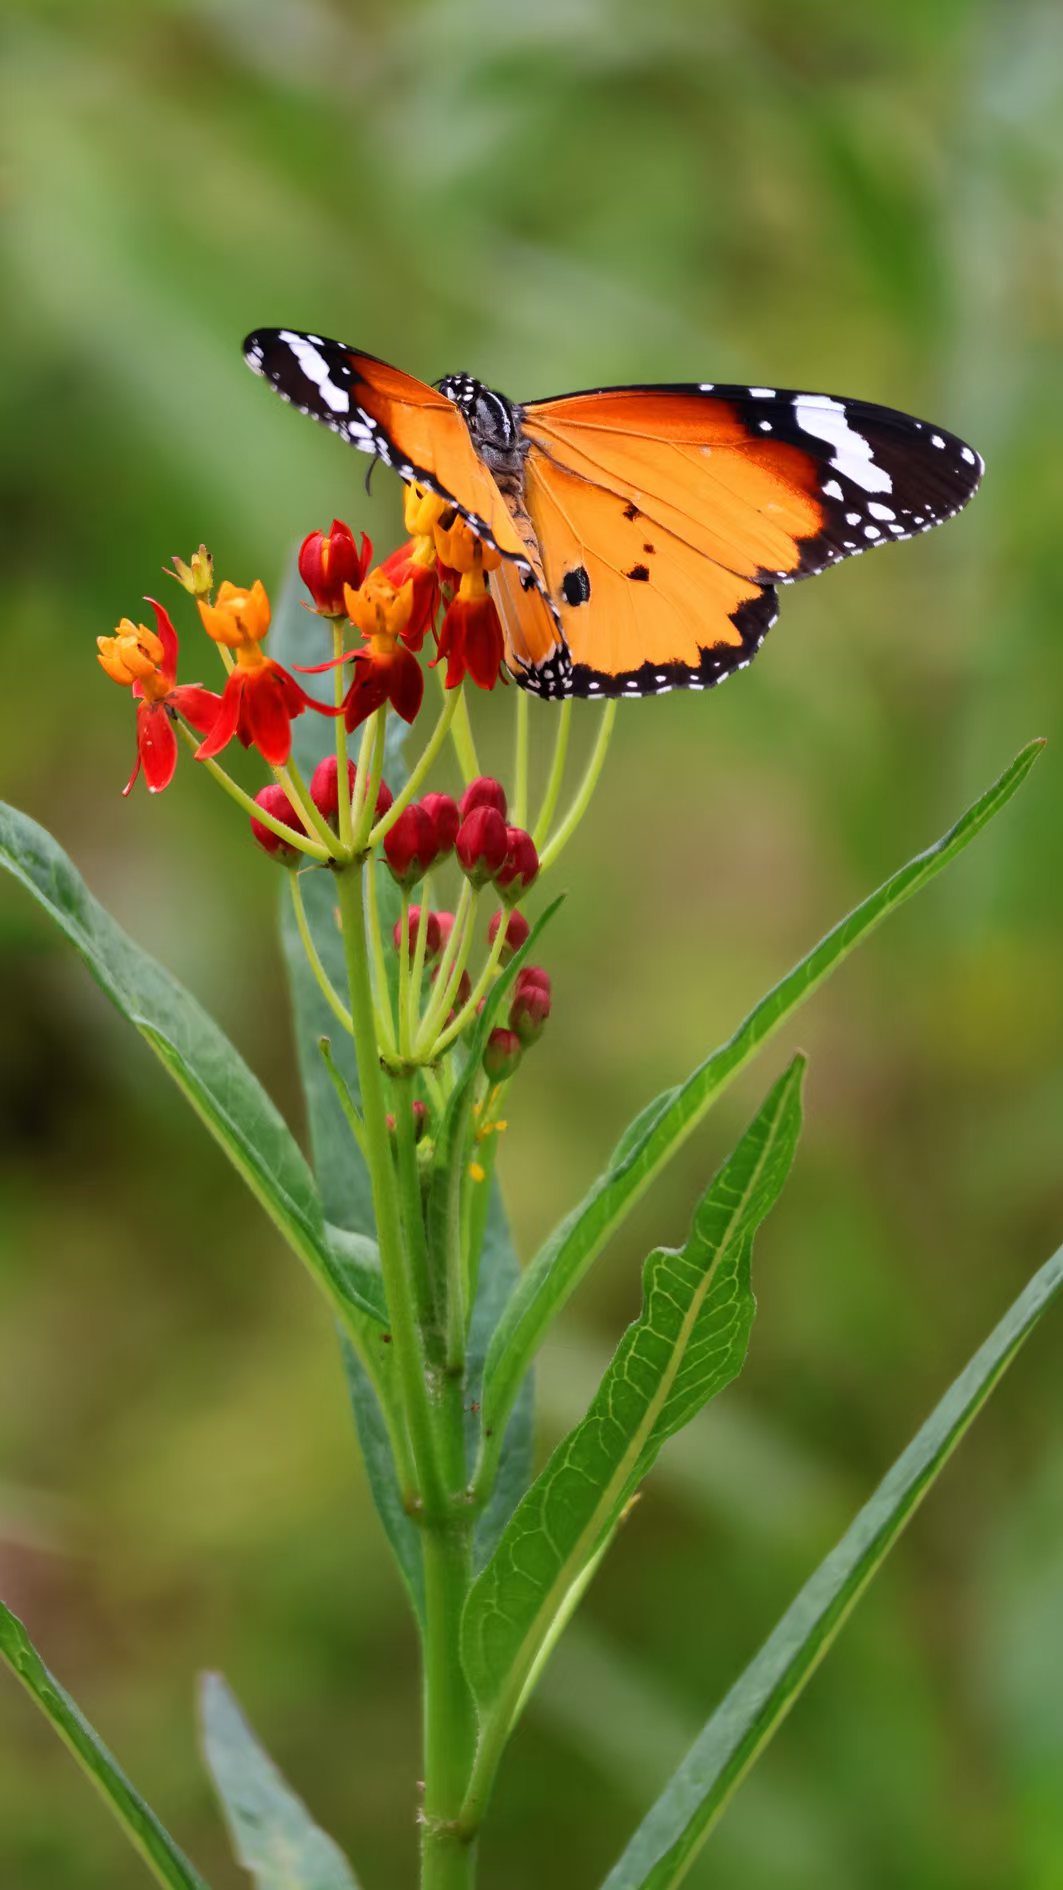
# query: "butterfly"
642,530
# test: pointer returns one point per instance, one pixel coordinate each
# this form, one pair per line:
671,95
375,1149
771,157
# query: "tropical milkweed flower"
261,700
385,670
330,560
470,636
145,661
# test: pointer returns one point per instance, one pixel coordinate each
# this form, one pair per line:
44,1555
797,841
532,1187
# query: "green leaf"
166,1862
200,1058
672,1833
663,1126
273,1834
688,1342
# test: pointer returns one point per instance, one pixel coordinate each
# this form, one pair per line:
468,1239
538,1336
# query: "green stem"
298,793
413,1213
346,1100
461,736
404,972
385,1018
327,988
468,1010
311,847
409,1357
520,762
586,788
419,771
448,1859
556,775
437,1006
366,815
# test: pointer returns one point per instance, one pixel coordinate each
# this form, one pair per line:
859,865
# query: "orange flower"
145,661
386,670
261,700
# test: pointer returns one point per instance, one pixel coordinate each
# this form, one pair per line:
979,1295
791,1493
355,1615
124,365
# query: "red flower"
485,791
520,866
410,846
444,815
530,1006
261,700
145,661
274,801
517,930
502,1054
406,566
433,935
324,794
482,844
387,670
470,638
328,561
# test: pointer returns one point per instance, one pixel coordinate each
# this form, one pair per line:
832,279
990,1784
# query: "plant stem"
461,735
520,762
448,1859
556,775
311,847
586,788
385,1018
409,1357
343,793
343,1095
298,793
328,989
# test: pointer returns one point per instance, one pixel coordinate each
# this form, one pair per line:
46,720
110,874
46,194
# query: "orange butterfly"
642,529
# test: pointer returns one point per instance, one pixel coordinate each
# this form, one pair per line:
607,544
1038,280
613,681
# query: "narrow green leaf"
273,1834
672,1833
201,1060
166,1862
662,1127
688,1342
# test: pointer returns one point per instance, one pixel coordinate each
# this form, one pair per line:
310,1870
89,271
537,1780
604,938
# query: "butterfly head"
492,420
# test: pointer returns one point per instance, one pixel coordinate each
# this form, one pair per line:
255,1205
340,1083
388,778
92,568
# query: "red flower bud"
323,789
529,1011
482,844
517,930
520,866
432,934
274,801
444,813
502,1053
529,975
484,792
410,845
328,561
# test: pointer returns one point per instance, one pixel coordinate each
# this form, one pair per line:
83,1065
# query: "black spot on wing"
639,574
576,586
631,510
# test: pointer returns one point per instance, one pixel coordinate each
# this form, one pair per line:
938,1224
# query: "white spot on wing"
880,511
316,369
763,393
826,419
832,490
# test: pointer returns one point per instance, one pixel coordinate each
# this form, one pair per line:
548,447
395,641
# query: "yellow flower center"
238,618
134,654
459,547
379,611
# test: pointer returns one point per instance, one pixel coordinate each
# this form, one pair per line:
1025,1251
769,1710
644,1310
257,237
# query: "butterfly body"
642,530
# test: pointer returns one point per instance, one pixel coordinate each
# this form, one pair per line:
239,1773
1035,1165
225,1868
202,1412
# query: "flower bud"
517,930
274,801
410,845
432,934
483,792
328,561
323,790
197,576
482,844
445,816
533,975
502,1053
529,1010
419,1112
520,866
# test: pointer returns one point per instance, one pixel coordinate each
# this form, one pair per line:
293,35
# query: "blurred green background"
553,195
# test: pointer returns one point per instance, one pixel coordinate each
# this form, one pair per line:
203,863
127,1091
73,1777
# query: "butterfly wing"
412,427
666,517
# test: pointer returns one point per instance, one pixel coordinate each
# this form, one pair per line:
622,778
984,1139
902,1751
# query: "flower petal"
225,722
198,706
156,745
267,717
167,637
405,684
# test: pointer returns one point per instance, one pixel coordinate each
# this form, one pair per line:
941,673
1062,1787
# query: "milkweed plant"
415,928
